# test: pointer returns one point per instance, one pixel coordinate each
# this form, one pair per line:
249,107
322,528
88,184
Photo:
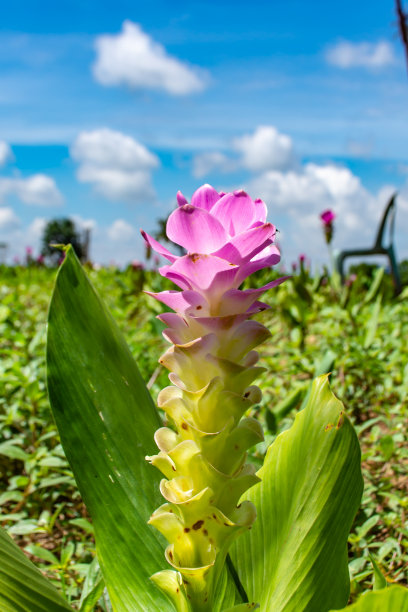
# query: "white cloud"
106,147
36,228
6,153
265,149
297,193
38,189
83,224
121,230
118,166
346,54
297,198
133,58
8,219
312,189
205,163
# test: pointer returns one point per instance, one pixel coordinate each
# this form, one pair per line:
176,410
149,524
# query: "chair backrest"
388,217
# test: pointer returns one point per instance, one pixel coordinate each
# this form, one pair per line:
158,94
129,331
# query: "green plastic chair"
387,221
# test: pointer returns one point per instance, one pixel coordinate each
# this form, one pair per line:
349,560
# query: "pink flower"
227,238
327,216
212,364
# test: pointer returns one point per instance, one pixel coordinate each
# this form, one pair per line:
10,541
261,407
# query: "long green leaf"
295,556
22,586
106,420
392,599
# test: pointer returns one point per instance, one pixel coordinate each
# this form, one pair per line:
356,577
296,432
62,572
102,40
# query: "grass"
358,333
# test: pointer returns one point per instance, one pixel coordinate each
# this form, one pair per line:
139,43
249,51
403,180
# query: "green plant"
84,339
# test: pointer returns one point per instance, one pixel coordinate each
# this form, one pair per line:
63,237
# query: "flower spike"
211,359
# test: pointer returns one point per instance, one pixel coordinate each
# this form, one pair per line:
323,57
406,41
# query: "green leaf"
293,399
375,285
372,323
367,525
42,553
392,599
387,446
83,524
245,607
295,556
379,581
93,587
106,420
22,586
11,450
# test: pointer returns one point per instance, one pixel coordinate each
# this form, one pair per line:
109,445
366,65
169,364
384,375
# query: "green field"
357,332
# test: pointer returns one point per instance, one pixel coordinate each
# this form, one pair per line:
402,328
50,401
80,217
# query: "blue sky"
107,109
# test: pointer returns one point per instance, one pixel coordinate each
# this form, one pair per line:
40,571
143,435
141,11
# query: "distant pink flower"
40,259
29,251
328,216
302,258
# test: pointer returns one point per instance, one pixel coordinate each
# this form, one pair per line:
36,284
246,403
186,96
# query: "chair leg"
340,266
394,271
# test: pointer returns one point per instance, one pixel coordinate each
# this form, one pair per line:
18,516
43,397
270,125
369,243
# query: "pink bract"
226,238
328,216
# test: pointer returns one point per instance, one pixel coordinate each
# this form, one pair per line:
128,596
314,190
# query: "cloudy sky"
107,109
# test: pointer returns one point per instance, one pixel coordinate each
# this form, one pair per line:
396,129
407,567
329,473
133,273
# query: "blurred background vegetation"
357,332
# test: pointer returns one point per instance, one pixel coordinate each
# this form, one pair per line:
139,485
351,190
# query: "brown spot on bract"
226,524
214,517
198,525
340,422
247,394
173,468
205,532
171,555
184,426
186,529
177,590
194,257
328,427
199,307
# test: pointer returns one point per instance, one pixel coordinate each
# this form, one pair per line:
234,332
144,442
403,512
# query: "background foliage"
357,332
